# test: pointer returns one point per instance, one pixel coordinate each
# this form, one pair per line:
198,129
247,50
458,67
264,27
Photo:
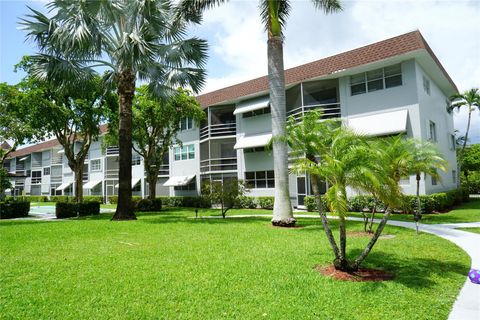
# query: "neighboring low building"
389,87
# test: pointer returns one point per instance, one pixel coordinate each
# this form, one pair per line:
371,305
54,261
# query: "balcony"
112,151
57,158
220,164
164,170
218,130
329,110
111,174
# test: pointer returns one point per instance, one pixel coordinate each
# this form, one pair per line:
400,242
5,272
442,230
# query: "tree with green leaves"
132,40
274,14
12,128
224,193
470,100
426,159
342,158
72,116
156,124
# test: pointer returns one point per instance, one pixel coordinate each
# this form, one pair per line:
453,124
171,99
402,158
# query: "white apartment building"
389,87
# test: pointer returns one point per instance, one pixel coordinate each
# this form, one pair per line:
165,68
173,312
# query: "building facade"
389,87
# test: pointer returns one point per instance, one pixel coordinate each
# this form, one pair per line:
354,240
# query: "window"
260,179
96,165
453,142
426,85
46,171
434,181
184,153
256,112
186,124
432,131
454,176
375,80
36,177
136,159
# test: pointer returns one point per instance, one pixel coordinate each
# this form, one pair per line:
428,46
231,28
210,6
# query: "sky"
237,40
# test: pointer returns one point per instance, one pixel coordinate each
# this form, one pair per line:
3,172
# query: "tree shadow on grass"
412,272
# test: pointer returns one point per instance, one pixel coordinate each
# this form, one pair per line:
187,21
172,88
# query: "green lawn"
474,230
41,204
171,266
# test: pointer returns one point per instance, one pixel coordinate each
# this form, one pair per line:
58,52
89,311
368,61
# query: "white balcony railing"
218,130
330,110
219,164
112,151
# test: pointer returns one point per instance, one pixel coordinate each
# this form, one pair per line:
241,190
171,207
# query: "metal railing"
57,159
218,130
111,174
164,170
36,180
112,151
219,164
36,161
330,110
55,179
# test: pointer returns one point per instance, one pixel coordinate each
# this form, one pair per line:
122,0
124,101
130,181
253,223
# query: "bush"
112,199
311,204
145,205
246,203
64,199
98,199
266,202
193,202
14,209
70,210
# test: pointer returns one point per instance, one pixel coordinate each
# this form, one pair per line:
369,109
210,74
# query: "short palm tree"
274,14
469,99
426,159
133,40
344,159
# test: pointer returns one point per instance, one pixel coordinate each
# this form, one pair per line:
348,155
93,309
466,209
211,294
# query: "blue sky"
237,41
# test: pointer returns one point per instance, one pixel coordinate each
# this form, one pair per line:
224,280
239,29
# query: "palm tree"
274,14
469,99
133,40
426,159
344,159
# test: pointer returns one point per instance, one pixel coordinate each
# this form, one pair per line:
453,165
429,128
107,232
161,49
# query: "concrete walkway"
467,305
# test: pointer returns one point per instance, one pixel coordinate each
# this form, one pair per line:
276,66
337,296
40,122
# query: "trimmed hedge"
27,198
266,202
114,199
14,209
191,202
311,204
436,202
71,210
246,203
147,205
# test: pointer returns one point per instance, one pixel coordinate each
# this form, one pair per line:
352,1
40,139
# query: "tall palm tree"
133,40
426,159
469,99
274,14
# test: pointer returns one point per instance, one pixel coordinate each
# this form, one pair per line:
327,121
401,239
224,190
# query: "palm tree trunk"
126,91
468,128
78,182
323,217
419,205
372,242
282,207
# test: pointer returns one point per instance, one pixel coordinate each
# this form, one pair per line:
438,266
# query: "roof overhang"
64,186
380,124
178,181
91,184
253,141
134,182
248,106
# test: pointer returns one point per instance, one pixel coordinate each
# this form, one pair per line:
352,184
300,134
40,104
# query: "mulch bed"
361,275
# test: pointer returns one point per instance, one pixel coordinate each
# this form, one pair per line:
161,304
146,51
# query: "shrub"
311,204
194,202
112,199
70,210
266,202
245,202
14,209
98,199
145,205
64,199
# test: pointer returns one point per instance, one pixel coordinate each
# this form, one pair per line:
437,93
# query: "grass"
41,204
474,230
171,266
